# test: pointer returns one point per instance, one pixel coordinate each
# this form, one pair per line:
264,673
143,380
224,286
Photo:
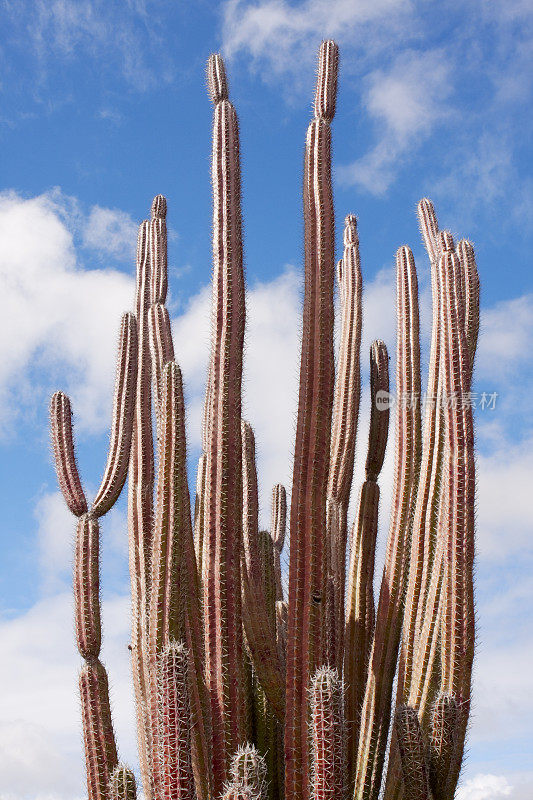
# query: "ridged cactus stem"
100,749
375,717
427,502
140,512
122,784
223,507
308,545
65,456
277,531
122,424
258,613
326,736
248,769
360,611
413,756
445,726
175,774
87,587
161,348
344,430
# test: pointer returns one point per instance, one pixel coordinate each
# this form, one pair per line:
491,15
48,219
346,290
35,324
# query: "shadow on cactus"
241,692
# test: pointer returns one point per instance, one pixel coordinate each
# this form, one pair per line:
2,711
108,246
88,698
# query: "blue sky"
103,105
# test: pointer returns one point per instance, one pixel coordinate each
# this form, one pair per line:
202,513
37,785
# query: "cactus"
244,691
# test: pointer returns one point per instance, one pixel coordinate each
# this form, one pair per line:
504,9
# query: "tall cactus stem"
344,430
140,512
375,717
223,508
308,545
360,611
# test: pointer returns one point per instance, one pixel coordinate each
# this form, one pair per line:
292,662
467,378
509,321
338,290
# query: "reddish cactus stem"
344,431
64,454
122,424
277,531
307,595
100,749
376,711
87,587
326,736
161,347
360,614
158,250
140,511
175,774
223,508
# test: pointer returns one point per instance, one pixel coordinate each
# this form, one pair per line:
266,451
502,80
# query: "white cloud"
405,102
123,37
110,231
41,751
283,35
485,787
53,313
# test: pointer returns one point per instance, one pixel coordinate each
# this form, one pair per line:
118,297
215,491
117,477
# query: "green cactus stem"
122,784
360,612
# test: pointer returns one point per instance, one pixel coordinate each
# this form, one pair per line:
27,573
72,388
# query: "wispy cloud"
123,37
405,102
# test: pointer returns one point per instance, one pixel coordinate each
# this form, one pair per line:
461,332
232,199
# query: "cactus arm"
375,717
258,618
158,250
175,772
161,347
277,531
326,736
311,455
465,252
121,427
360,612
100,749
344,429
140,511
122,784
64,454
223,508
199,512
442,746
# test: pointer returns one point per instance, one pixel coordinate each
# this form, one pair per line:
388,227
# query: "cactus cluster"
244,691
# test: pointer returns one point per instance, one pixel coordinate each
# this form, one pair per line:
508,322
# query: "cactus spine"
243,692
